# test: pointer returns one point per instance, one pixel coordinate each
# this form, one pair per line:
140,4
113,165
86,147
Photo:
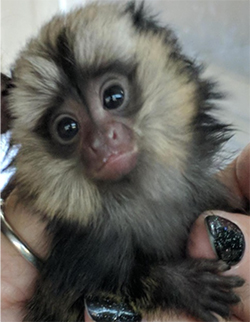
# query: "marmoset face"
102,98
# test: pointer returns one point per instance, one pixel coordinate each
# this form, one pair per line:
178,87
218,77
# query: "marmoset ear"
6,85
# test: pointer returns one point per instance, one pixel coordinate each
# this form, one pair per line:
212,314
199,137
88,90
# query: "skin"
18,275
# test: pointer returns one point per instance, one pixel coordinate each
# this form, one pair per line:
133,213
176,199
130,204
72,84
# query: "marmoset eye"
113,97
65,129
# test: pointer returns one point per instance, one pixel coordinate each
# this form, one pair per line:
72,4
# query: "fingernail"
104,309
226,238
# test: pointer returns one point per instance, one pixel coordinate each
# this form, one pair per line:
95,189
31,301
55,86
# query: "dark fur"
136,249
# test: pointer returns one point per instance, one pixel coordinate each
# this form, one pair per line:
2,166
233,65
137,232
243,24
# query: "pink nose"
114,136
109,152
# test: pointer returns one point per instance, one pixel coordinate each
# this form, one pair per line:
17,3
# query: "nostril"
96,143
112,134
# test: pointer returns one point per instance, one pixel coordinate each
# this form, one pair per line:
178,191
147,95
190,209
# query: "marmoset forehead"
100,34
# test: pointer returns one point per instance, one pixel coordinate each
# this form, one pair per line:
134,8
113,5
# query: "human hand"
18,275
237,177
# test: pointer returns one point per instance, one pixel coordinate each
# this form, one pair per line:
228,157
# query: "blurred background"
215,32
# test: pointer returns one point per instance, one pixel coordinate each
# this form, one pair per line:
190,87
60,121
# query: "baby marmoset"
117,144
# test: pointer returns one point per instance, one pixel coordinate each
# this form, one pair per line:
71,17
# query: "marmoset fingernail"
226,238
104,309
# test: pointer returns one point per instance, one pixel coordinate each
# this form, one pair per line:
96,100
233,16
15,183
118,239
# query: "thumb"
225,236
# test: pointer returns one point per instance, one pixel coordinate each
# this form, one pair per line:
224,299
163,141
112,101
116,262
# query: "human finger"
222,235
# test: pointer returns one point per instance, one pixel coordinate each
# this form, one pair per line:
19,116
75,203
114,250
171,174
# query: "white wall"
19,20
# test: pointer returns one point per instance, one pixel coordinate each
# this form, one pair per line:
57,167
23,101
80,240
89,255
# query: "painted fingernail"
226,238
104,309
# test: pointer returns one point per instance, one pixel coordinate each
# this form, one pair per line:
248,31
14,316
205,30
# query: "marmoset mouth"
115,166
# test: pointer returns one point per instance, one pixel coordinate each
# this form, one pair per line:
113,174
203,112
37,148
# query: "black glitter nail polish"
104,309
227,239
